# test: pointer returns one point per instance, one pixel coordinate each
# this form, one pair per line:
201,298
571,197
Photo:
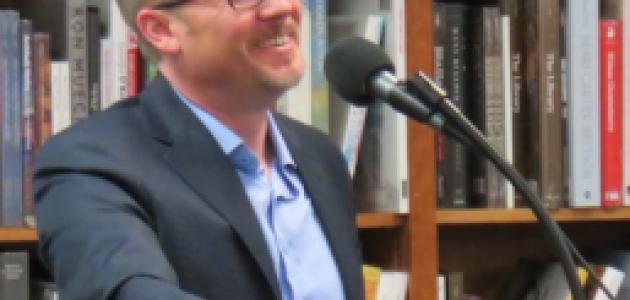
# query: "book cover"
11,120
452,160
76,17
319,46
28,102
94,58
42,122
611,63
519,138
543,101
14,276
583,135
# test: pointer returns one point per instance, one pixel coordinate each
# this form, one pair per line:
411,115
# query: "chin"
284,82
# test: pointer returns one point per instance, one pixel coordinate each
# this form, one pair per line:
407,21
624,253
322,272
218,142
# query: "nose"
274,8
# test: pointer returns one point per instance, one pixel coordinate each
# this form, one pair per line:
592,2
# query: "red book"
611,65
133,65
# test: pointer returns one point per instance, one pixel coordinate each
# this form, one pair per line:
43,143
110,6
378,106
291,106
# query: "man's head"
250,45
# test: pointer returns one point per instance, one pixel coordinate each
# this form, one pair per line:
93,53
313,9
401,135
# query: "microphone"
360,72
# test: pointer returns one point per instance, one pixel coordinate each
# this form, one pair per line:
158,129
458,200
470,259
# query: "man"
195,190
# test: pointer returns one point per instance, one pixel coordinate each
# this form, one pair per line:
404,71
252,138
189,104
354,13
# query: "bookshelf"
483,243
18,235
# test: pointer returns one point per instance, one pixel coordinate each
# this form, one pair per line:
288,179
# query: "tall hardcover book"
76,17
519,134
488,107
611,62
348,121
11,147
28,103
42,122
381,177
14,276
319,44
506,92
583,135
440,24
452,155
543,98
94,58
624,16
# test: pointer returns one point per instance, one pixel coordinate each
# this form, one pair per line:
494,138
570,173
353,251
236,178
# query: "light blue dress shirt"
303,261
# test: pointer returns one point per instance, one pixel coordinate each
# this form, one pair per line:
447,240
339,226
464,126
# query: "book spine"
118,41
42,80
11,129
93,57
14,275
77,56
506,93
134,74
551,168
494,102
27,123
455,168
544,100
477,167
611,103
583,135
440,36
319,45
517,89
624,16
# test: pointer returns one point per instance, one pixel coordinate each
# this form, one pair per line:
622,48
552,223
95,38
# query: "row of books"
373,140
544,81
539,280
15,282
51,80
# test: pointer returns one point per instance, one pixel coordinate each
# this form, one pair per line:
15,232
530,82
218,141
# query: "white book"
612,279
441,286
107,73
506,81
119,40
393,132
296,102
349,120
392,285
60,96
383,178
583,109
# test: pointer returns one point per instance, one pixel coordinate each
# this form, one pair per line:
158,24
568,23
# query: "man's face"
255,49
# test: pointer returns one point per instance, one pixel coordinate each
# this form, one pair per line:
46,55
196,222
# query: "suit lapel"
196,156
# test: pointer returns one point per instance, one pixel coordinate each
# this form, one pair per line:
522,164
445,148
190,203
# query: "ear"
156,27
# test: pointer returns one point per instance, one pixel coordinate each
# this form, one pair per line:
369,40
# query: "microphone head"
351,63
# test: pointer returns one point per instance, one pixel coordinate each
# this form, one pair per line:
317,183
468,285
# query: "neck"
244,114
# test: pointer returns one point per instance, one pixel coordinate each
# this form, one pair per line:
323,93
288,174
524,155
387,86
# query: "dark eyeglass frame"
178,3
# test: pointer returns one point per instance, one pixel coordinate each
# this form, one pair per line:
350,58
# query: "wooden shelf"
524,216
380,220
17,235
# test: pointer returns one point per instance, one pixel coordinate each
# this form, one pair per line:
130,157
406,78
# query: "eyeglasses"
238,5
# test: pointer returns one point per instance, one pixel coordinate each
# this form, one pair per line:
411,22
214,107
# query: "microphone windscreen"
351,63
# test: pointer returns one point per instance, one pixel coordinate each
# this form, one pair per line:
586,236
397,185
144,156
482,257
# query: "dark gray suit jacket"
141,196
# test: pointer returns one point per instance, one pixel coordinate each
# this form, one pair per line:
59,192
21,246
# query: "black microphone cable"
467,134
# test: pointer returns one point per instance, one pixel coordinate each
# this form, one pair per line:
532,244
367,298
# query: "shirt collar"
229,141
